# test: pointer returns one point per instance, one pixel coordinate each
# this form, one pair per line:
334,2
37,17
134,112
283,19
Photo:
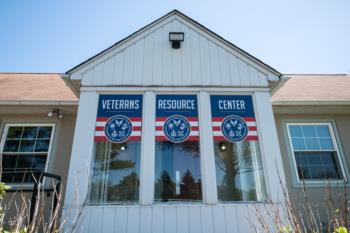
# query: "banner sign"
177,118
233,118
119,118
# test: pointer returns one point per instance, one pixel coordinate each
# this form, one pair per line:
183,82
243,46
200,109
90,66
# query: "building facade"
175,130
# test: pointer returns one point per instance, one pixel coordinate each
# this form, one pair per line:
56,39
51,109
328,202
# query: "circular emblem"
234,128
177,128
118,129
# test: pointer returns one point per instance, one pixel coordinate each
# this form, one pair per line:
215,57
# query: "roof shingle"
34,87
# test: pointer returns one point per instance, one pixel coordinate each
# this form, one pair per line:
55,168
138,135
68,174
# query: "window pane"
326,143
42,145
312,144
15,132
318,165
309,131
239,171
177,171
11,146
44,132
27,145
30,132
298,143
116,171
323,131
295,131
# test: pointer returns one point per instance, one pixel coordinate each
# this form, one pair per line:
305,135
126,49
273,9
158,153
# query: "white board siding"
150,61
170,218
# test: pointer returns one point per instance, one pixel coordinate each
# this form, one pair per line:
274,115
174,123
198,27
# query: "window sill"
322,184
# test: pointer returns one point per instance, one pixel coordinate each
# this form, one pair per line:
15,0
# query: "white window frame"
336,149
3,139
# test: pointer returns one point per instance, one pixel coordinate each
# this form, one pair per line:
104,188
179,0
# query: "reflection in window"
314,151
239,171
25,152
177,172
115,172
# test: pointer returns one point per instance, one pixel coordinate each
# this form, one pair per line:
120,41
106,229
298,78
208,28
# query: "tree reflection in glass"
239,172
177,172
115,172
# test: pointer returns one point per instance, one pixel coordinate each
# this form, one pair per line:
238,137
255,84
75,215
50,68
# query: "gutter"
314,103
279,83
39,102
73,86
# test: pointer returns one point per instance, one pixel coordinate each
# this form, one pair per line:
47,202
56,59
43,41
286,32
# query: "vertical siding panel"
128,72
219,219
243,73
176,57
194,219
214,63
195,57
207,219
253,74
231,219
133,219
118,68
145,220
166,56
243,218
186,57
95,221
207,78
170,219
157,57
234,72
84,221
87,76
138,62
107,77
224,66
157,219
108,219
120,220
182,219
263,79
98,74
148,60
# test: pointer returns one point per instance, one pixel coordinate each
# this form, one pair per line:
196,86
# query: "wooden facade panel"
230,218
150,60
182,219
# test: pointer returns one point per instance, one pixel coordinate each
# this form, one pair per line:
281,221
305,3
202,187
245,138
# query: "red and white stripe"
252,130
136,123
194,135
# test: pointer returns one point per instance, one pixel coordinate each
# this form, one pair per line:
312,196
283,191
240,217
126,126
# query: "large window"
239,171
115,172
177,172
25,150
315,152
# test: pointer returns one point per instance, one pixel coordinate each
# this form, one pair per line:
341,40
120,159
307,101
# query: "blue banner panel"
233,118
177,118
119,118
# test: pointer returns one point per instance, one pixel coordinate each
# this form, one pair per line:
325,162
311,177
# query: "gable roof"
306,89
35,88
185,17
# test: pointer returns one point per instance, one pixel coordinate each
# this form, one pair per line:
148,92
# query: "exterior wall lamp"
57,112
176,38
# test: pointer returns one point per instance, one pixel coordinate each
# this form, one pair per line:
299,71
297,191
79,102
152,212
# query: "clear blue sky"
294,36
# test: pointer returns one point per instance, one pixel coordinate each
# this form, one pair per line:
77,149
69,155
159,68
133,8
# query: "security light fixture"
57,112
176,38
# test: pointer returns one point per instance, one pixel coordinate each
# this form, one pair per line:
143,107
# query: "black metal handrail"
56,189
